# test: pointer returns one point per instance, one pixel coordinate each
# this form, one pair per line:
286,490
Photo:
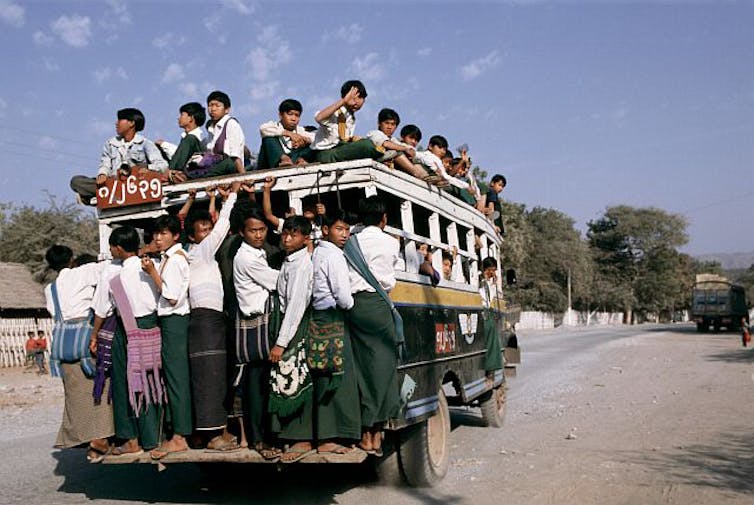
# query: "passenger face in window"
254,232
490,273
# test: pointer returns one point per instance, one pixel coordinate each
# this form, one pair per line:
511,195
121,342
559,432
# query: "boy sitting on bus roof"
395,151
191,118
284,142
432,160
335,140
127,149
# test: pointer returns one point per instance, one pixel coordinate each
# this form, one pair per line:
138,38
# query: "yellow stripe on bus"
419,294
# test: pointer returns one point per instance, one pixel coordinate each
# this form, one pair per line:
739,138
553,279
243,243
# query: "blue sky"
580,105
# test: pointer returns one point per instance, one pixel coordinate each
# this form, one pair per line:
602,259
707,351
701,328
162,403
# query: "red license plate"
134,189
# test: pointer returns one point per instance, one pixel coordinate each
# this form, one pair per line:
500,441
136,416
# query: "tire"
701,328
424,450
387,469
493,407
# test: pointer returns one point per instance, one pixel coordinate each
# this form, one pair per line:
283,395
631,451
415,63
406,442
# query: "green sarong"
189,146
175,368
347,151
145,426
271,151
336,406
372,332
493,358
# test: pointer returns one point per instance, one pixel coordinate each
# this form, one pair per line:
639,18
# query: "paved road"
527,461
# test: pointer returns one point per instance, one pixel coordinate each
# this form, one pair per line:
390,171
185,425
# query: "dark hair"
299,224
372,209
196,216
339,215
388,114
489,262
196,111
83,259
456,161
447,256
411,130
438,140
353,84
135,115
241,213
499,178
167,222
448,154
59,257
40,332
290,104
221,97
125,237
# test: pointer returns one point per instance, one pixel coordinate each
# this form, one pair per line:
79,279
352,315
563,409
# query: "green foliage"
27,232
746,279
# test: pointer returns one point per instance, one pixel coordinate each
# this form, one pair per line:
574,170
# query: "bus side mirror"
510,277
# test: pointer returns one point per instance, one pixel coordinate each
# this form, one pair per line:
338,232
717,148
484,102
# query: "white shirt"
75,287
253,279
139,287
205,281
382,254
101,303
275,129
234,137
295,290
174,273
170,148
327,135
330,286
378,138
492,286
430,160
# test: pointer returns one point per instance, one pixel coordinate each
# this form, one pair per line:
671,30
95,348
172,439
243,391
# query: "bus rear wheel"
424,450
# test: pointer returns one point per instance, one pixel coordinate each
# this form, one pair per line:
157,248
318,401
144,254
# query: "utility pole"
569,297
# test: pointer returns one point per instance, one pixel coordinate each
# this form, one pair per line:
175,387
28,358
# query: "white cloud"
475,68
74,30
350,34
424,52
48,143
189,89
173,73
368,68
12,14
272,53
50,65
168,39
100,127
106,73
42,39
264,90
119,10
238,6
3,107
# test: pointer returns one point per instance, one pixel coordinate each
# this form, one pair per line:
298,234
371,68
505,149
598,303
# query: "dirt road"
641,415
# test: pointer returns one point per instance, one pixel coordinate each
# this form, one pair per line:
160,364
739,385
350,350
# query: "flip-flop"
220,444
95,455
338,450
119,452
298,455
269,453
157,453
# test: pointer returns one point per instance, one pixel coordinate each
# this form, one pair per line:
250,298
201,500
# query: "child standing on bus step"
191,117
254,281
335,140
284,142
207,346
138,429
493,359
493,204
127,149
374,334
395,152
336,393
83,421
225,146
172,281
290,380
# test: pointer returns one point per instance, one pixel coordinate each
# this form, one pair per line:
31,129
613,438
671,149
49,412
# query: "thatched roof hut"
20,296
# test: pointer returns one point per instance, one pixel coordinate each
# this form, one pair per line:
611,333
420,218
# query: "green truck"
718,303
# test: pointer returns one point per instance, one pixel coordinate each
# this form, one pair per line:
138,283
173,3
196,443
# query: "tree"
636,257
27,232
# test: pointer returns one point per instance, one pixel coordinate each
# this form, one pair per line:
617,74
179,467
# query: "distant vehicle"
717,303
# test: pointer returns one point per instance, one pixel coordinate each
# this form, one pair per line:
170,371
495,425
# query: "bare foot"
175,444
366,442
285,161
130,447
297,451
333,448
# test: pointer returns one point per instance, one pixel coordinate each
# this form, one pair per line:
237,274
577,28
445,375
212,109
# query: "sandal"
296,454
95,455
337,449
121,451
269,453
221,444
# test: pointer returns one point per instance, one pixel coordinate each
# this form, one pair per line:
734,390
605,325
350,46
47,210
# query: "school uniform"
83,421
334,142
207,347
372,328
142,295
493,359
253,280
174,327
378,138
232,146
192,143
275,145
336,396
434,164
